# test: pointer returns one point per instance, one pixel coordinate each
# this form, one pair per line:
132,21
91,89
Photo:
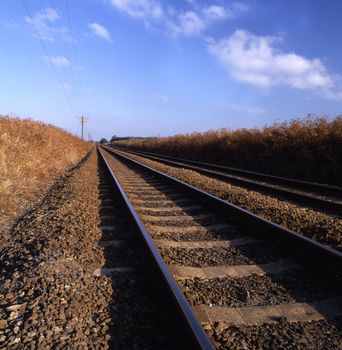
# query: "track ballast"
246,290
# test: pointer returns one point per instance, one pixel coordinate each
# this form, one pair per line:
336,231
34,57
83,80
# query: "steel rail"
306,249
302,198
323,189
189,333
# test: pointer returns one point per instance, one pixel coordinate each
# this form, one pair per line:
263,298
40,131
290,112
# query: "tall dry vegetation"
32,155
309,149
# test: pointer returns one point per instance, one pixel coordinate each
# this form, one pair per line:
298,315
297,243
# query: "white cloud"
193,23
64,86
47,15
59,61
246,109
214,12
188,23
144,9
160,98
255,60
100,31
44,22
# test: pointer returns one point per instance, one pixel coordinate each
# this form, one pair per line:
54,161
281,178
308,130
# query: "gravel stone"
282,335
257,290
324,228
48,264
249,254
296,285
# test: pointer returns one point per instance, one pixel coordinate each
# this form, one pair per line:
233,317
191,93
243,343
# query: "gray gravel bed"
249,254
122,256
256,290
188,221
163,204
110,221
313,193
324,228
317,335
201,257
281,336
263,252
116,235
133,306
170,212
156,197
49,296
111,211
200,236
147,191
185,222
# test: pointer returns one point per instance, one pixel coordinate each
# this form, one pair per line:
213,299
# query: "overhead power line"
76,56
60,51
46,51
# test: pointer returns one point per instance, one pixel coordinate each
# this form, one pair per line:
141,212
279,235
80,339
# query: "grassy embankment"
308,149
32,156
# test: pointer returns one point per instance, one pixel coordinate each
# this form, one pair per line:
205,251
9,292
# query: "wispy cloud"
59,61
64,86
197,21
215,12
12,24
160,98
188,24
143,9
239,107
178,23
100,31
193,23
45,24
257,61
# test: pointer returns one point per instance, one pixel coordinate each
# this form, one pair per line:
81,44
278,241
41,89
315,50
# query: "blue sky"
147,67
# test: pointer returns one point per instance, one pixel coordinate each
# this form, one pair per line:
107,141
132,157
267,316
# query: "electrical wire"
78,67
59,51
46,51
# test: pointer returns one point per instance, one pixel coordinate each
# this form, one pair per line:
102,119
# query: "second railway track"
322,197
248,291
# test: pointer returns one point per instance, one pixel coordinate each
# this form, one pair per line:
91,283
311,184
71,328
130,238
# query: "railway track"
129,319
121,251
250,283
322,197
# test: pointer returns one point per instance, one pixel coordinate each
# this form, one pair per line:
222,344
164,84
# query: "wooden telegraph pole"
82,120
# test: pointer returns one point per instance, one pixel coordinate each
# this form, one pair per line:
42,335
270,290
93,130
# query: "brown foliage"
308,149
32,155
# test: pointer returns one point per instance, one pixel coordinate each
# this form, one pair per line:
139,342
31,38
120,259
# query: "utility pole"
82,120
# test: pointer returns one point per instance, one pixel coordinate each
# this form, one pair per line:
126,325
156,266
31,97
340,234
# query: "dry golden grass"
309,149
32,156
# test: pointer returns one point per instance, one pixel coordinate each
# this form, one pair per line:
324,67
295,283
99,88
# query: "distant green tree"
103,140
114,137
